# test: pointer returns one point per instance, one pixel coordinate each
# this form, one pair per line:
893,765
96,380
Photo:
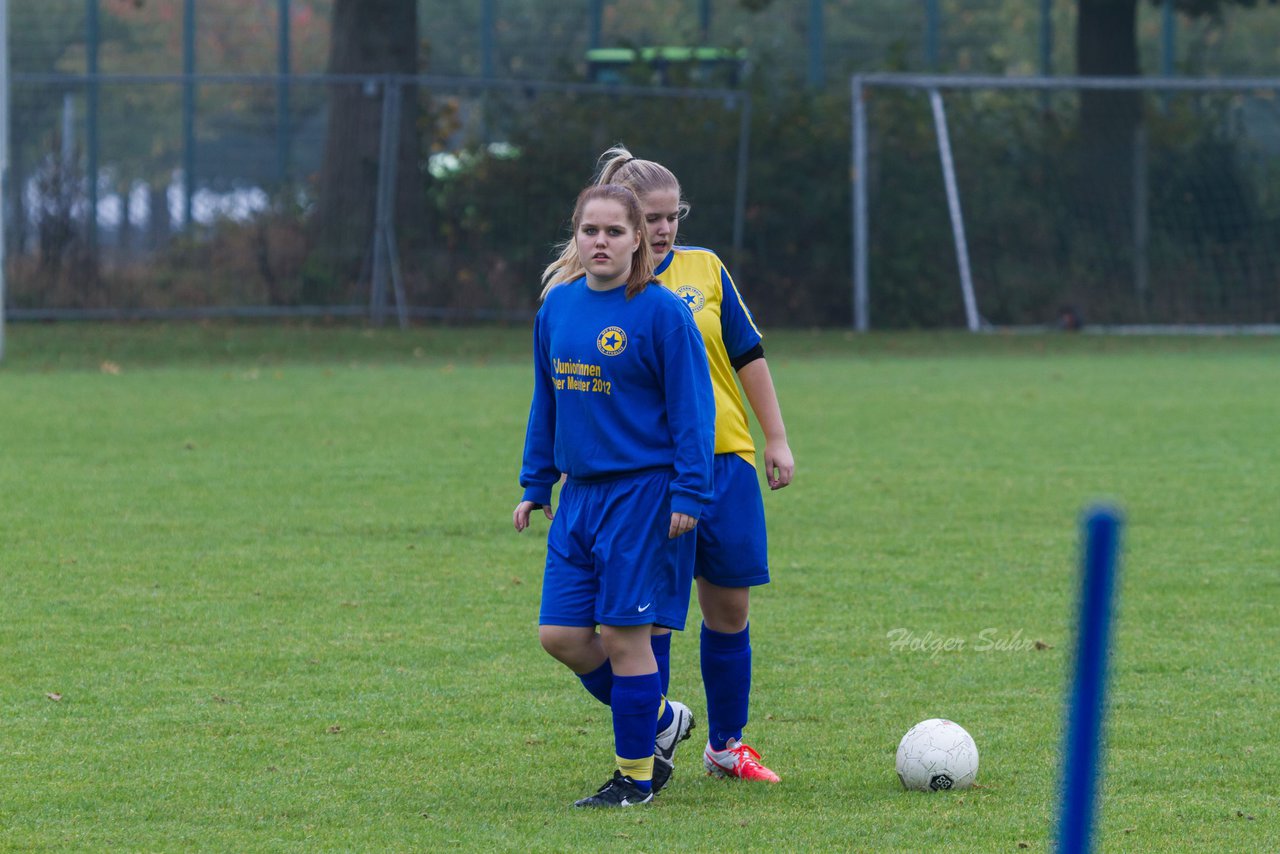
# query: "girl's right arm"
538,472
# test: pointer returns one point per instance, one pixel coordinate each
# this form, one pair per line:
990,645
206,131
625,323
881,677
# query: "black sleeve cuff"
740,362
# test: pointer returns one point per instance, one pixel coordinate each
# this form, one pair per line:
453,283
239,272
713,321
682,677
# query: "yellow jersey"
701,281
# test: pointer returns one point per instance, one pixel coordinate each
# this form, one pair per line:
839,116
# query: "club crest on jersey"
611,341
691,297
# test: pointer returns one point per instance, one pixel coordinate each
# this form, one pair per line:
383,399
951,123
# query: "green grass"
269,572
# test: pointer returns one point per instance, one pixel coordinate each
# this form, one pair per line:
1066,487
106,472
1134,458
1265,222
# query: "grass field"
261,592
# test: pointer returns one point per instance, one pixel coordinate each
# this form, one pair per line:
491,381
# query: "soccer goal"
1117,204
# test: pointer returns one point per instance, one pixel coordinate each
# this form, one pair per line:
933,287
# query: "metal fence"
536,39
209,195
205,193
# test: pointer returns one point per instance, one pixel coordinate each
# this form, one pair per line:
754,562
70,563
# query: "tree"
1107,46
369,37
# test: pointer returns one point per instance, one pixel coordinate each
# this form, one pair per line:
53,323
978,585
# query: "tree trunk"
371,37
1107,46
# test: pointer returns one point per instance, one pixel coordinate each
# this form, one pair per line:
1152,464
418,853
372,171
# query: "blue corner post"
1082,753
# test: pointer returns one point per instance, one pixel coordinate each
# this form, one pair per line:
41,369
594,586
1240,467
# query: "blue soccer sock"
662,654
665,715
635,714
599,682
726,673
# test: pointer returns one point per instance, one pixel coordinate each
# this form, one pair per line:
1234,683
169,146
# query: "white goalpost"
953,208
861,297
1138,205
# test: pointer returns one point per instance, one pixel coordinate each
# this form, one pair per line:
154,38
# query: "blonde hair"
616,166
641,272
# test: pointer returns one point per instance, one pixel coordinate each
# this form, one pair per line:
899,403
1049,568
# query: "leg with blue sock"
674,720
599,682
634,703
726,673
661,644
635,713
634,700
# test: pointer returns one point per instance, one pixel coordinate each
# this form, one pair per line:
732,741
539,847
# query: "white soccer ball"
937,754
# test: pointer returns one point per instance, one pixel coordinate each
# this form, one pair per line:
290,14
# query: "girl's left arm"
757,382
742,339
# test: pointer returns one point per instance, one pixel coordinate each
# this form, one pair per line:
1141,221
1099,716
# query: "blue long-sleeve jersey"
620,385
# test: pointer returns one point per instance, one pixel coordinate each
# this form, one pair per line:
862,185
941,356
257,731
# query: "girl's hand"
779,465
681,524
520,518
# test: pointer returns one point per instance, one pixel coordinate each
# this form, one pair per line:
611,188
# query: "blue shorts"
609,561
733,548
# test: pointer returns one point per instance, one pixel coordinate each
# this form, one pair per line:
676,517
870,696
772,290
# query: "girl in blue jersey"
622,405
731,543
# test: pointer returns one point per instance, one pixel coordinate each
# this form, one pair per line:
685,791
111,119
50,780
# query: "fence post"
861,316
386,255
931,26
4,153
740,189
188,110
1141,222
91,123
283,67
816,75
1046,38
1046,48
486,38
1168,47
595,22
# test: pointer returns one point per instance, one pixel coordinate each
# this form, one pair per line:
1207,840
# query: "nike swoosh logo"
645,608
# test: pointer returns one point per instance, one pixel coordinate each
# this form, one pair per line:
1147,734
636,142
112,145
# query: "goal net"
1123,204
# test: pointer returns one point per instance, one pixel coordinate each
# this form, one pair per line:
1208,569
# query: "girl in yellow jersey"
732,555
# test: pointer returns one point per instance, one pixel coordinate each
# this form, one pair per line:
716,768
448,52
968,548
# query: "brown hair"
618,167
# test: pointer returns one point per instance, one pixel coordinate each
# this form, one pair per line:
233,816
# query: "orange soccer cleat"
737,760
